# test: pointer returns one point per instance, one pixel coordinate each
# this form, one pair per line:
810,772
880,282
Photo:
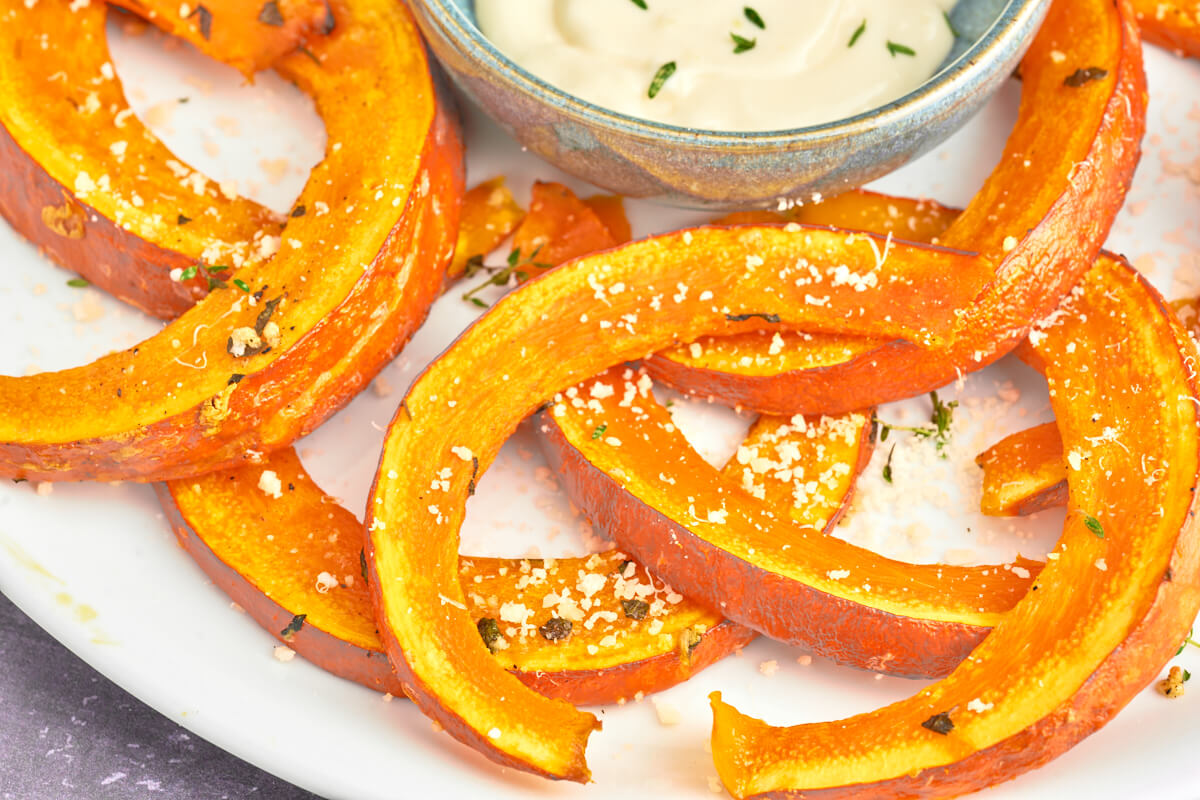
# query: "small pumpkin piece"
560,227
490,214
1024,473
610,209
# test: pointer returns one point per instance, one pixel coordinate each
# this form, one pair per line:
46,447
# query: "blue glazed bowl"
729,170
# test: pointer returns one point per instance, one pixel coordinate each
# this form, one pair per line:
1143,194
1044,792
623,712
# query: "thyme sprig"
514,266
938,428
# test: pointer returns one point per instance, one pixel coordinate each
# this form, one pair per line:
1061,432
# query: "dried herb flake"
293,627
939,723
489,629
555,629
772,318
635,608
205,18
1084,76
269,14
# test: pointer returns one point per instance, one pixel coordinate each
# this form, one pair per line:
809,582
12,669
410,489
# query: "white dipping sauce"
801,69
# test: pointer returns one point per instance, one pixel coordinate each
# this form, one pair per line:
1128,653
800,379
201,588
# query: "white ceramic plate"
96,566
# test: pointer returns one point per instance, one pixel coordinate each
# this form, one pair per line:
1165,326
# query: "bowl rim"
941,87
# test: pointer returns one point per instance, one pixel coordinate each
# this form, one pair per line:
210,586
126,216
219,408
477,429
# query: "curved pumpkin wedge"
298,556
551,333
92,187
730,366
248,35
1170,24
1108,611
258,364
490,214
1041,217
1024,473
642,484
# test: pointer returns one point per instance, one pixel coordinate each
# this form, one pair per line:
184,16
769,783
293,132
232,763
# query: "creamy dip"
723,65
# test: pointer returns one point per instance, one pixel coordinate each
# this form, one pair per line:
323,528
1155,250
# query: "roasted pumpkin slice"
1170,24
265,360
489,216
1027,471
591,630
1024,473
85,181
1104,616
642,484
729,366
545,337
248,35
1041,218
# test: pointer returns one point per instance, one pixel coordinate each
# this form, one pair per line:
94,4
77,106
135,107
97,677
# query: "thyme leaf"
755,19
859,31
501,275
950,24
741,44
660,77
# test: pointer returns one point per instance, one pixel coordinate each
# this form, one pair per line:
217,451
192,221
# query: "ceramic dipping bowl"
722,169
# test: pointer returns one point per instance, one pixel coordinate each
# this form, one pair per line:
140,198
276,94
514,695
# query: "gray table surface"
68,733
